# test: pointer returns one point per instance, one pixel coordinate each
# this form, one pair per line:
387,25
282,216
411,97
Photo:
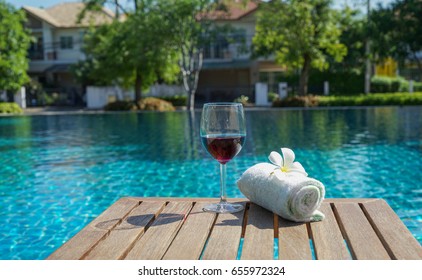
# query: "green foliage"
378,99
396,30
134,52
244,100
341,82
14,43
119,105
176,100
297,101
353,26
387,84
272,96
192,30
300,34
10,108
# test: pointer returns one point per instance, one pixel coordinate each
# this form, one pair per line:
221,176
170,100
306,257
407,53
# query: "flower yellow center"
284,169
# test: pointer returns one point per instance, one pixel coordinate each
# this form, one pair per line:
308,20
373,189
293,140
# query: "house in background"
228,69
57,45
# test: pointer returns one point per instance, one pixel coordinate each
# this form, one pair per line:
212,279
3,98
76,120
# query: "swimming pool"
58,172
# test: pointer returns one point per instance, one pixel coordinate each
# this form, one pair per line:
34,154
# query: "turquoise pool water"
58,172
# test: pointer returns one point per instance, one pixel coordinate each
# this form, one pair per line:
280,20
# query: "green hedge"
177,100
381,84
10,108
348,83
360,100
119,105
341,83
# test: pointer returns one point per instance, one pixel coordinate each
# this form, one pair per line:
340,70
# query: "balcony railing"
224,50
36,54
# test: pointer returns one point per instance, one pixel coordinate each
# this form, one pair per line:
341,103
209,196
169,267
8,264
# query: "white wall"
98,97
69,55
165,90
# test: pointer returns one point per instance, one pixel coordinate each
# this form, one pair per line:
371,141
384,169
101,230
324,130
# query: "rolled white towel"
294,197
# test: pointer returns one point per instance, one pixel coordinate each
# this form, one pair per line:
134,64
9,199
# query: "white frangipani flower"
286,164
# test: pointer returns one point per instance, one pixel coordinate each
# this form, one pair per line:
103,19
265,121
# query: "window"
66,42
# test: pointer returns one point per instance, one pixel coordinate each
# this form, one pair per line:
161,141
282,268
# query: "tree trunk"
191,100
304,75
138,88
191,65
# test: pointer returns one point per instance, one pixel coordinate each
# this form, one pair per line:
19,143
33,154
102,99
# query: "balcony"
36,54
227,51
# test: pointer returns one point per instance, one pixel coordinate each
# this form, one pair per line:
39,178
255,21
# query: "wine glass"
223,133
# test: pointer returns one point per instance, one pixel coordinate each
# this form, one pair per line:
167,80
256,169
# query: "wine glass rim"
223,104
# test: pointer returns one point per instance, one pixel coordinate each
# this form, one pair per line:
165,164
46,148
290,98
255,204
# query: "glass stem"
222,183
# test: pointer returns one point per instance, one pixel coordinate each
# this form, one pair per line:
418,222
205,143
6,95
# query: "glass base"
223,207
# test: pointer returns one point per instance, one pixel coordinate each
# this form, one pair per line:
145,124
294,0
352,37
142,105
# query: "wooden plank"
121,238
191,199
327,238
363,242
89,236
223,242
348,200
395,236
293,241
258,243
155,242
190,240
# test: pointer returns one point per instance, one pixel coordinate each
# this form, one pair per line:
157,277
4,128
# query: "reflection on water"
58,172
333,129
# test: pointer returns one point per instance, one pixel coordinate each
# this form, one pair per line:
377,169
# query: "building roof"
66,15
234,10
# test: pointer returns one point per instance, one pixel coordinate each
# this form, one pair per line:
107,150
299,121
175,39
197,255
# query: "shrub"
176,100
272,96
417,86
147,104
155,104
10,108
381,84
341,83
360,100
297,101
244,100
119,105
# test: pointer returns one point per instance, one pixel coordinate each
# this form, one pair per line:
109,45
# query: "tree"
397,31
160,36
353,32
188,33
193,30
130,52
301,33
14,43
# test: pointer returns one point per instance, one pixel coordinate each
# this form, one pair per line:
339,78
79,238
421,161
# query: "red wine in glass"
223,147
223,133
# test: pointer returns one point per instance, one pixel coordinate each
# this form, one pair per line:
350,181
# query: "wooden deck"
176,228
